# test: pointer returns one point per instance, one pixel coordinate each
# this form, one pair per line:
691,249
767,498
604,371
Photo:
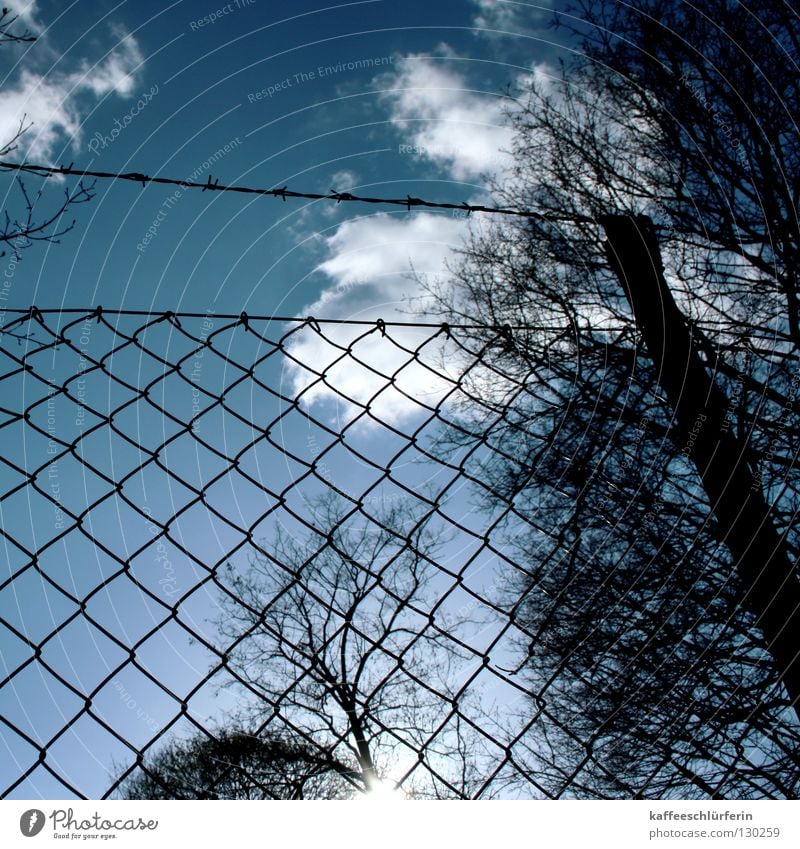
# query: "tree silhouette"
235,764
660,667
332,631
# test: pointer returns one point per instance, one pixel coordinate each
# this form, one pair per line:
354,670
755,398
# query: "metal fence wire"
268,558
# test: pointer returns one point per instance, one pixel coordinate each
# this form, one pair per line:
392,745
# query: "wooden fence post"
768,577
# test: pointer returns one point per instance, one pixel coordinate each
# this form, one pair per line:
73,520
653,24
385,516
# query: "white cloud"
380,371
116,73
460,129
369,265
444,120
54,103
510,16
344,180
369,260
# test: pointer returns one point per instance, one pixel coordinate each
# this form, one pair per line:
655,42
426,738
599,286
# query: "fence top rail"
243,317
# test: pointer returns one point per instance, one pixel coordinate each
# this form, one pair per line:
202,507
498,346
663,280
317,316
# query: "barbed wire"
212,185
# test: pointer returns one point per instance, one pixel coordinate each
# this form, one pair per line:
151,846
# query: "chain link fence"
271,558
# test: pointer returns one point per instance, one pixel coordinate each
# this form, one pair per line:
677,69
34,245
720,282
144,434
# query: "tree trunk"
768,578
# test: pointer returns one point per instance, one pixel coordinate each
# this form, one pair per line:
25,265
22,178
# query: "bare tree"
333,633
654,667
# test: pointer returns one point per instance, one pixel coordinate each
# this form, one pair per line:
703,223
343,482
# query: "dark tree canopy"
653,676
235,764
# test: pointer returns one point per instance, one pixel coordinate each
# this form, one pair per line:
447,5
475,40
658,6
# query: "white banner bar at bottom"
395,824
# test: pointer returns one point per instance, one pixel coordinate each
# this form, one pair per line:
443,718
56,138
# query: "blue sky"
372,97
420,114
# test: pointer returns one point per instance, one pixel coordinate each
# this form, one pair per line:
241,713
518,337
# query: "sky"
370,97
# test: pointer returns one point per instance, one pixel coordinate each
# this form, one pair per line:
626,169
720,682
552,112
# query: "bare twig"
7,20
22,232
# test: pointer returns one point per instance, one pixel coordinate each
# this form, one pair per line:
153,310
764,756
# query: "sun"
382,791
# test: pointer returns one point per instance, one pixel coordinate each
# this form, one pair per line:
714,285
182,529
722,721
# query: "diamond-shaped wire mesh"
266,559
